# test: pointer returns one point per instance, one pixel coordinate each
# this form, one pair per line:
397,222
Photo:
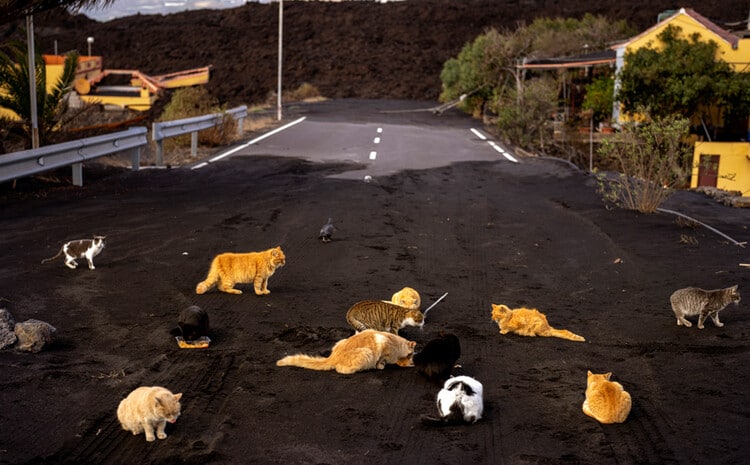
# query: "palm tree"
11,10
14,88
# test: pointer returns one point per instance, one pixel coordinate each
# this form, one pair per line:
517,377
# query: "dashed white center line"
373,155
376,140
496,147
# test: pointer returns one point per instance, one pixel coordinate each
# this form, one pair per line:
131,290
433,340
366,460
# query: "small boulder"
34,335
7,335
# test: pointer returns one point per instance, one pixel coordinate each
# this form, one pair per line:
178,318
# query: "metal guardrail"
25,163
167,129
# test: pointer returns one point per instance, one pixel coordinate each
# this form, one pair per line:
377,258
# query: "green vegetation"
486,72
194,101
652,159
15,92
685,77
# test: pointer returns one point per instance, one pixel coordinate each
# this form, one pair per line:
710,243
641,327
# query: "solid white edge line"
246,144
478,134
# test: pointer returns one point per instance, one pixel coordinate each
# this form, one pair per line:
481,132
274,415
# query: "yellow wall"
737,58
734,164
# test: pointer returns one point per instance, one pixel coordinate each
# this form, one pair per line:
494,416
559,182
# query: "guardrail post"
240,126
135,158
77,174
194,143
159,152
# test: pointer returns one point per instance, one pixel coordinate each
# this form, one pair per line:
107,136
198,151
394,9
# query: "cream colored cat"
408,298
148,409
528,322
606,401
366,350
228,269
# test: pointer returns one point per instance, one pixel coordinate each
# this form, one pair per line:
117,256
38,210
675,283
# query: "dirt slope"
349,49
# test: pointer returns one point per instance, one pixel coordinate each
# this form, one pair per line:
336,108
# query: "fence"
25,163
167,129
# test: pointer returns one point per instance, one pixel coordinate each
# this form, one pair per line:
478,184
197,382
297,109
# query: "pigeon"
327,231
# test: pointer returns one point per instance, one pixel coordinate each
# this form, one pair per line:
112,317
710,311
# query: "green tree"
683,76
600,97
15,92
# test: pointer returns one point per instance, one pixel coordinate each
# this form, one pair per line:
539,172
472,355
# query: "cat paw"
700,326
150,438
719,325
161,435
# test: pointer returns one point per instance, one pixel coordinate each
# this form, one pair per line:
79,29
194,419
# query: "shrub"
652,159
188,102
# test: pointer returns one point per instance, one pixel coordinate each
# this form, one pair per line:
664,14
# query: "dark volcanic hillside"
350,49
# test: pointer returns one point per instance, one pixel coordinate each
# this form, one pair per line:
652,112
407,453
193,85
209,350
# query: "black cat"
193,323
437,359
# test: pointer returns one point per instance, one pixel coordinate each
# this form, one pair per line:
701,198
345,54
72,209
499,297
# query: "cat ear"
178,396
412,343
589,373
607,375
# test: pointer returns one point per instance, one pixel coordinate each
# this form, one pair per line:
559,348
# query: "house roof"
604,57
720,32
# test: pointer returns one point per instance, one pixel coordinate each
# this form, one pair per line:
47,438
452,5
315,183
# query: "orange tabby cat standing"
528,322
606,401
228,269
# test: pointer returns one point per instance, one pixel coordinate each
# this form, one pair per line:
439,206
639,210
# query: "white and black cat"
459,402
192,324
438,357
81,248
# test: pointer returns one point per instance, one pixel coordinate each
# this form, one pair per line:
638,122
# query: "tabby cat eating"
382,316
80,248
363,351
228,269
528,322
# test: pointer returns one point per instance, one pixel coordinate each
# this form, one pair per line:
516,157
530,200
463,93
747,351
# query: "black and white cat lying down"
458,402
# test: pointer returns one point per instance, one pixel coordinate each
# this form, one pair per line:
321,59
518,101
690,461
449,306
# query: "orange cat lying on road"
528,322
364,351
228,269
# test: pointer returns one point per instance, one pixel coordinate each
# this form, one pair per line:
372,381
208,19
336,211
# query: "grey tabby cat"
692,301
382,316
81,248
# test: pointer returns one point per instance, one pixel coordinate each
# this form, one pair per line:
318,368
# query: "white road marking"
246,144
495,146
377,140
373,155
380,130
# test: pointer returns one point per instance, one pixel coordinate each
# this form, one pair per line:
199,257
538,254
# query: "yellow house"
87,68
725,165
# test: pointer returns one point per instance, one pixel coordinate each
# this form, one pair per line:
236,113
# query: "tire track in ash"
645,437
457,224
202,383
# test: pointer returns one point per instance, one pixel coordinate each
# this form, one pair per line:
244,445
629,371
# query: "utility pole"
281,31
32,82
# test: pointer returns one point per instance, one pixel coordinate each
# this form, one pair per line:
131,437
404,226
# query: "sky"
122,8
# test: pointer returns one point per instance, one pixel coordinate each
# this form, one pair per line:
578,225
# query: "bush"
188,102
652,159
305,91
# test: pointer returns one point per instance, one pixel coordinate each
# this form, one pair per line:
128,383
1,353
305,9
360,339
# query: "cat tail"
565,334
307,361
213,276
454,417
52,258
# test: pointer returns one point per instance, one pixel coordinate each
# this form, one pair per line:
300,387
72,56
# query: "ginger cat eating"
606,401
366,350
228,269
528,322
